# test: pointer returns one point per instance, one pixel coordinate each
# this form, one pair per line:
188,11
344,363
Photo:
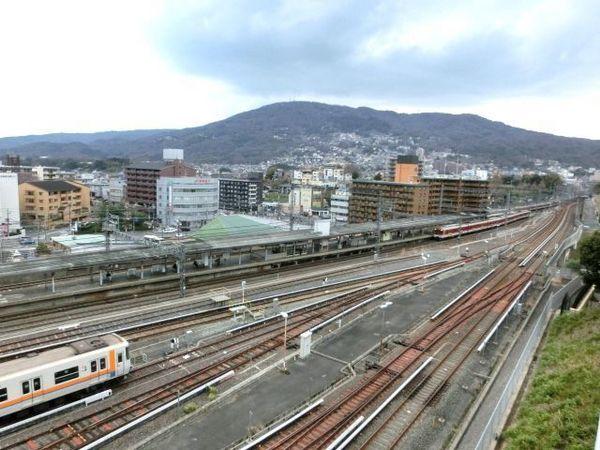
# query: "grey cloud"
317,56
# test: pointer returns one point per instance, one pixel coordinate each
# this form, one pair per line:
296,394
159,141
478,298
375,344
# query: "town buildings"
308,199
386,200
450,194
240,195
405,169
433,195
340,205
53,203
30,173
186,201
10,218
116,190
141,179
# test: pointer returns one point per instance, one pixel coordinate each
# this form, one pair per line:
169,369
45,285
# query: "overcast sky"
115,65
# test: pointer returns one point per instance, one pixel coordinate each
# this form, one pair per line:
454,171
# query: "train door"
121,360
29,388
97,366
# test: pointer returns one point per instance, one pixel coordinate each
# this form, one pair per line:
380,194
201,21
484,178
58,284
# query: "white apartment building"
186,201
46,172
116,190
10,216
340,202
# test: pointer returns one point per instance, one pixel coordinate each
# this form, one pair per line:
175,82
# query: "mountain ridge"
278,129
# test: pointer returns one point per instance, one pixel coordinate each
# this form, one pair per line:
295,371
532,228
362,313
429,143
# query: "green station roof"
229,226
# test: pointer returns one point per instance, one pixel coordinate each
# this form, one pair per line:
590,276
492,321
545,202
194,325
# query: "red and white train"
453,230
29,381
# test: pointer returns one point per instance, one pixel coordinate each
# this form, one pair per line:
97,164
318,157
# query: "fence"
497,419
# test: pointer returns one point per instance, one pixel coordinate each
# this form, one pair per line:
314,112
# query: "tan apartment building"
432,196
53,203
393,199
405,169
451,194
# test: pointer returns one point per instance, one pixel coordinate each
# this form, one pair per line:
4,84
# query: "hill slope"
278,129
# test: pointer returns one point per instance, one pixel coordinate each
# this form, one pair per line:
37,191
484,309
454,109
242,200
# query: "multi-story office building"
9,203
386,200
240,195
186,201
53,203
141,181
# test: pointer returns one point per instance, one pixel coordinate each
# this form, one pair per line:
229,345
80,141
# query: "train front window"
102,363
37,385
94,366
25,387
120,358
3,394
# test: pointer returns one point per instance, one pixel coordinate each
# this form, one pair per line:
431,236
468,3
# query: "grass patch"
560,410
190,407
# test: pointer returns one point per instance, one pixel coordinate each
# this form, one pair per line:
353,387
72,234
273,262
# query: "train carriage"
453,230
29,381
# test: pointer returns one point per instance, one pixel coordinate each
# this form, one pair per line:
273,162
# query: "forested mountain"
279,129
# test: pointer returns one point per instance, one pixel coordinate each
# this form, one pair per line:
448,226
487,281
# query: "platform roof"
232,226
154,255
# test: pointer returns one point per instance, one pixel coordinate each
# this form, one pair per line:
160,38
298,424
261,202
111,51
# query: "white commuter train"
51,374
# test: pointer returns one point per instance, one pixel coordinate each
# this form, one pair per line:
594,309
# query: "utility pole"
378,244
181,264
292,209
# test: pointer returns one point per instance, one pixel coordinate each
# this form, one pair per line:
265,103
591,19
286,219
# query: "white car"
169,230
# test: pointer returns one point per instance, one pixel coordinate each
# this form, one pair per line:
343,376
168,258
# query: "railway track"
142,395
194,279
451,338
162,321
19,318
201,365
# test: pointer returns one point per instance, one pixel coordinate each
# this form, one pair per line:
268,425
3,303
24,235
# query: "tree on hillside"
552,181
589,251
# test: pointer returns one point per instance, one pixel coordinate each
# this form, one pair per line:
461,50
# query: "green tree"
589,251
552,180
270,172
